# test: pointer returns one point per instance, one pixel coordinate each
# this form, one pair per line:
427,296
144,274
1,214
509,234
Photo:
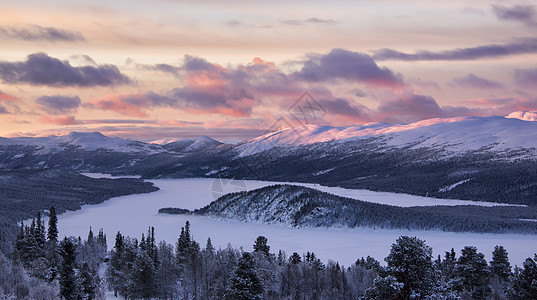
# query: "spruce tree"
500,266
39,233
87,282
244,284
471,273
260,245
295,258
68,282
410,262
52,233
209,248
525,282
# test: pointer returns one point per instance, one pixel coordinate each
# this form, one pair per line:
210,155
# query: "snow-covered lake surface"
132,215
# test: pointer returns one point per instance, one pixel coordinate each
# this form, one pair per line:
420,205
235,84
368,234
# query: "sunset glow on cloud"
166,69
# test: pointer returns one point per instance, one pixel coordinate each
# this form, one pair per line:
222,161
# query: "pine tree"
410,262
141,280
295,258
114,273
500,266
209,248
39,233
472,273
260,245
52,233
87,282
525,282
68,282
385,288
245,284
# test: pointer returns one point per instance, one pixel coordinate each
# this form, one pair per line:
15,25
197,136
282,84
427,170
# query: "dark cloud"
410,108
3,110
359,93
165,68
59,104
343,107
41,69
473,81
39,33
347,65
224,100
192,63
526,77
526,14
522,46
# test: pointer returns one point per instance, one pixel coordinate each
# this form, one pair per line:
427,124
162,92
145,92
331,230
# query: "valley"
132,215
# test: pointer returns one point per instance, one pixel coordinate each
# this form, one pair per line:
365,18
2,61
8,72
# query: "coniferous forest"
39,265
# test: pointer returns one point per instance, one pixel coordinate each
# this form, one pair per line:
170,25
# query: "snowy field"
132,215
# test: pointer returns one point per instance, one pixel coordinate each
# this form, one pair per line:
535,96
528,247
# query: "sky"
233,70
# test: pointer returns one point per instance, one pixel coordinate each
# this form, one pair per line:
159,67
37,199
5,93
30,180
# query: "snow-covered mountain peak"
523,115
454,135
82,140
202,142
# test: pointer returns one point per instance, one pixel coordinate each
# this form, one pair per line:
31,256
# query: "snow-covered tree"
260,245
471,273
68,281
245,285
410,262
525,281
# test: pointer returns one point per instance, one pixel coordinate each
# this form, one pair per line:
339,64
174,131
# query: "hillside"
304,207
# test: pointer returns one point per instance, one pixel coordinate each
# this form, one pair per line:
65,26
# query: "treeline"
366,164
45,268
299,206
24,192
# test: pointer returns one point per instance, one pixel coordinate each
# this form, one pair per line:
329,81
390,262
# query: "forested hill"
300,206
25,192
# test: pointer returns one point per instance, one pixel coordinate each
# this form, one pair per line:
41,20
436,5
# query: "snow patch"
450,187
323,172
523,115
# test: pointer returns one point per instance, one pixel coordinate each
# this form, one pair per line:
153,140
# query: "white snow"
523,115
132,215
452,135
450,187
84,140
101,175
323,172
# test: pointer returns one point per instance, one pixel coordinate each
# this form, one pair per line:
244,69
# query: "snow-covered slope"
452,135
82,140
188,144
523,115
202,142
301,207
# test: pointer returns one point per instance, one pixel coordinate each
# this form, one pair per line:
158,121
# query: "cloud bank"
39,33
41,69
521,46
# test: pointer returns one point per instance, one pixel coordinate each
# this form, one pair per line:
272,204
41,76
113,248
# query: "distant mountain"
81,140
451,136
189,145
298,206
473,158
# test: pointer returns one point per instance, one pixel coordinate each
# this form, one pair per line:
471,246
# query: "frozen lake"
132,215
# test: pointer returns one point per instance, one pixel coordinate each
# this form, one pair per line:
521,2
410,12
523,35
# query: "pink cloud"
59,120
7,97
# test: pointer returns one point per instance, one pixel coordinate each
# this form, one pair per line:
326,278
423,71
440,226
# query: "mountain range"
473,158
